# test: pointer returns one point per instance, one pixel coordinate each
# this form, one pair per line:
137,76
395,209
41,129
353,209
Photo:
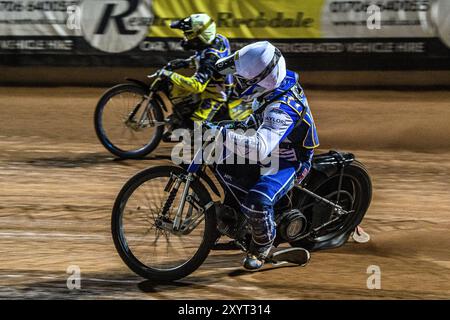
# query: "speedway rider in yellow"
200,35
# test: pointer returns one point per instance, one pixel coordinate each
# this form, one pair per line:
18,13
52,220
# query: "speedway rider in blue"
285,131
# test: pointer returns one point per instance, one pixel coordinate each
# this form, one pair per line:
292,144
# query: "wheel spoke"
151,244
347,201
114,121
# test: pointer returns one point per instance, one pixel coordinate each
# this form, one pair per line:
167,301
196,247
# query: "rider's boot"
173,123
257,255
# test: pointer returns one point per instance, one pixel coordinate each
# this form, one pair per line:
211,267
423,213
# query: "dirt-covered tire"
357,177
120,241
107,142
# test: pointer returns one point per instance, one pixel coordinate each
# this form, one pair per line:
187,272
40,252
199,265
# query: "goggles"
186,26
247,86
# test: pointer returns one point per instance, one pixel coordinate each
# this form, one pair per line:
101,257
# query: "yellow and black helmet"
199,29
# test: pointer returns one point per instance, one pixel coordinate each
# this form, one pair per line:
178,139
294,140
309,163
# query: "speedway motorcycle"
130,118
166,219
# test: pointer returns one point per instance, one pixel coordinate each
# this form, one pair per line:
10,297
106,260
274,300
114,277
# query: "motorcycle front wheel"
125,125
142,222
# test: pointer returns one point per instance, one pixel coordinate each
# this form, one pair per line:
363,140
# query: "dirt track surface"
57,187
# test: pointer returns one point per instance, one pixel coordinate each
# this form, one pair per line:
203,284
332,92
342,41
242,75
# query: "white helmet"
199,29
257,68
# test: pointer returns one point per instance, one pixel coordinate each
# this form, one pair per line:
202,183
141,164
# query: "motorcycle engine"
291,225
229,222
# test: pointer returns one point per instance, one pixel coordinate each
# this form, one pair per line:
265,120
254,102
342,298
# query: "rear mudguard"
330,244
331,162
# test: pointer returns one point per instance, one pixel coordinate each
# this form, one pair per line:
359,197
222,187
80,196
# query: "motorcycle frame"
195,168
152,90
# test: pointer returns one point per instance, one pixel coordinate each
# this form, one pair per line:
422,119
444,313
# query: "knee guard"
259,212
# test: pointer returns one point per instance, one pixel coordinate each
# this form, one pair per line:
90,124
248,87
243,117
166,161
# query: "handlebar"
172,65
152,75
157,73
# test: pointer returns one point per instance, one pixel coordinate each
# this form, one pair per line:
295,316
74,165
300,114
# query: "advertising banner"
312,34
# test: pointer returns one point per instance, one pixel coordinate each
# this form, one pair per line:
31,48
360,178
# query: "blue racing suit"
285,132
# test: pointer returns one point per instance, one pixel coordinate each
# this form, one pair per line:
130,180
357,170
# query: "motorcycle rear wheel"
356,195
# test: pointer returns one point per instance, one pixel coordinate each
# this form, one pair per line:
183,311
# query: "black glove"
178,64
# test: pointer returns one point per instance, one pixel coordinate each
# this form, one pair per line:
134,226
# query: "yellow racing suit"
206,82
